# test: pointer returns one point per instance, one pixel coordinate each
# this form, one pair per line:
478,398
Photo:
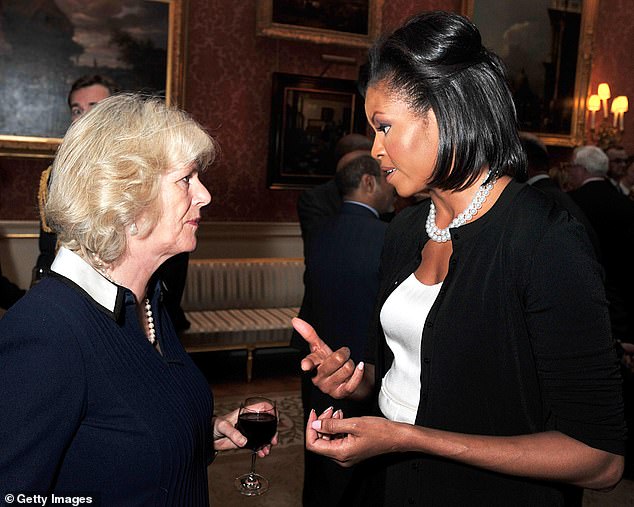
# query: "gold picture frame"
567,109
45,146
266,24
309,114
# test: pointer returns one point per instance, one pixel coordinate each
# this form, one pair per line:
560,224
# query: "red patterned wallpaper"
229,91
19,181
228,86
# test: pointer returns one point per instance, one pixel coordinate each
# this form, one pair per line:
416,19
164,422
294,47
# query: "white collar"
105,293
537,177
593,178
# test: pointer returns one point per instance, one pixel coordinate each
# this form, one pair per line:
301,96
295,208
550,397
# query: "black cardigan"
517,342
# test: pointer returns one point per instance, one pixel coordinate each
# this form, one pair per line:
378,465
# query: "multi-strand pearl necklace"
149,317
442,235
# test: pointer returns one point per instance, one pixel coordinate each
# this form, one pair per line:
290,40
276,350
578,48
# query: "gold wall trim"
266,27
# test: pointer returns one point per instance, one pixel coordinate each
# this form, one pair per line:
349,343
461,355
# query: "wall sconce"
606,134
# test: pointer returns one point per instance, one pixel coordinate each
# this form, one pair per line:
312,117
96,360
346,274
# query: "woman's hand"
349,441
227,437
549,455
335,374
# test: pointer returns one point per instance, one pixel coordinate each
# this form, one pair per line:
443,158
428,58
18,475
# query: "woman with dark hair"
495,375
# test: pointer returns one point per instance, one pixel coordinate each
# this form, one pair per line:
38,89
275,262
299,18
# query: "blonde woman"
98,395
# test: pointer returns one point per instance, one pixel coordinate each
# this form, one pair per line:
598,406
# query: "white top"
403,317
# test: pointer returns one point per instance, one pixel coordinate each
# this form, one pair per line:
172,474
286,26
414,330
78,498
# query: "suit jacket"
316,205
342,277
550,188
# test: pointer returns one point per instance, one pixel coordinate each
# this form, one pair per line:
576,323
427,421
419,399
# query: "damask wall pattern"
19,181
229,89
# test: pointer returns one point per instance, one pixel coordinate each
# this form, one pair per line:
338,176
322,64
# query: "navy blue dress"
90,407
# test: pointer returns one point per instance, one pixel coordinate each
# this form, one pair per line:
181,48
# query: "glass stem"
253,456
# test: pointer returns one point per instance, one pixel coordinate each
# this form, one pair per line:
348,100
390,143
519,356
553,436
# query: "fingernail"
329,408
360,366
338,412
242,441
316,425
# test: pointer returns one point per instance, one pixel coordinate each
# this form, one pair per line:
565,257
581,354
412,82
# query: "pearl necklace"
442,235
150,322
149,316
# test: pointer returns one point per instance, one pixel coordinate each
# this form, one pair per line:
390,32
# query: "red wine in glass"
258,427
257,420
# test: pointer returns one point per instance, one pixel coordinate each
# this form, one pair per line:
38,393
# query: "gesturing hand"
334,372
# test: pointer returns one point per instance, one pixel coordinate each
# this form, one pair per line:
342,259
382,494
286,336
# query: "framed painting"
45,46
547,48
308,116
351,23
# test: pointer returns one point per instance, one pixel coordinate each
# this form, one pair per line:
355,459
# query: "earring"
133,229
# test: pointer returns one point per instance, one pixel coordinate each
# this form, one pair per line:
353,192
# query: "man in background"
618,164
323,201
84,93
538,166
627,180
342,279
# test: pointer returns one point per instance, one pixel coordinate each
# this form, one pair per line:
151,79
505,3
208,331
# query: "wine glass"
257,420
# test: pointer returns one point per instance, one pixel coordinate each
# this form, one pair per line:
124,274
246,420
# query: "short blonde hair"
108,168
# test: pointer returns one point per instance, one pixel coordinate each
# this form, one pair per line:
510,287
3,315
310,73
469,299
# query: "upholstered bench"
241,304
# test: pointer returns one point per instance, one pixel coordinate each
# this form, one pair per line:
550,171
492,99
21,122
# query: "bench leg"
249,363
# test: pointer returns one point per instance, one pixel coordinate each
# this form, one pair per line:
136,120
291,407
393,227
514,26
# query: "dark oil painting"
309,115
46,44
350,16
538,41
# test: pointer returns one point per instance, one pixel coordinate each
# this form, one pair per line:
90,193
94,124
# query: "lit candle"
594,104
604,94
619,108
